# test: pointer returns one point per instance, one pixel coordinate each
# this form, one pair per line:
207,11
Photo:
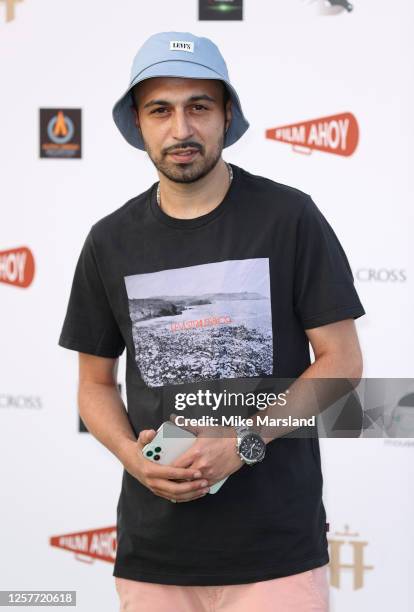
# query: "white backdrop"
291,61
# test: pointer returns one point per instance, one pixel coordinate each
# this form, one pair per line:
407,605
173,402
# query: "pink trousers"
304,592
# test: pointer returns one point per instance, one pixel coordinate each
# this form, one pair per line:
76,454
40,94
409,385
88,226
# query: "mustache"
185,145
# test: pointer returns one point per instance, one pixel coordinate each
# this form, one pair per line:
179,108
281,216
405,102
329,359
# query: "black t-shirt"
225,295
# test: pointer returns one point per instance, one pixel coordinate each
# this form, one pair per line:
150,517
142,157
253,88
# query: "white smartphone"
169,443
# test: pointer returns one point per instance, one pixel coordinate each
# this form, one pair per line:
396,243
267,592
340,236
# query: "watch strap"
242,429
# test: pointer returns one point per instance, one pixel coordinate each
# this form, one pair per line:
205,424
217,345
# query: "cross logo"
10,13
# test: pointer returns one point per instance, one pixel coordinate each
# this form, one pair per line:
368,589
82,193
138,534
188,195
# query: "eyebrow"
191,99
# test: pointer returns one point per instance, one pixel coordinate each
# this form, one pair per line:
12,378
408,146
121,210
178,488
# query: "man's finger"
188,499
187,458
169,472
145,437
177,490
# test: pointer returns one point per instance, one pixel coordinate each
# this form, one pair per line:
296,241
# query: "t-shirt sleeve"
90,325
324,289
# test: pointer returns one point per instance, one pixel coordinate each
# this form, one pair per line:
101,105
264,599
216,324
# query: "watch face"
252,447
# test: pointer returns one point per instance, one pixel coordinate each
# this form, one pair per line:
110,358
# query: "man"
211,274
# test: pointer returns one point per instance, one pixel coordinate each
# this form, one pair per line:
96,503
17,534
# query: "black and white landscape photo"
202,322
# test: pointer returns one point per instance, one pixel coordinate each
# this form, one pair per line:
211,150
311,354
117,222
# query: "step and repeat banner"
328,89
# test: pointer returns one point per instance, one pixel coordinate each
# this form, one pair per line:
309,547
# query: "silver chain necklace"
230,169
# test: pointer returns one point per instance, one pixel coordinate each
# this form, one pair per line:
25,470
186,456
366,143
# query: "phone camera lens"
149,453
157,449
156,457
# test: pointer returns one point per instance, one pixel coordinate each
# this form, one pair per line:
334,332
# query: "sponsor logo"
30,402
339,544
381,275
86,545
220,10
17,267
401,443
60,133
337,134
182,45
332,7
10,9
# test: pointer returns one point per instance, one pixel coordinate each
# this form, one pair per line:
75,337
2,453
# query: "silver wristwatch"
250,446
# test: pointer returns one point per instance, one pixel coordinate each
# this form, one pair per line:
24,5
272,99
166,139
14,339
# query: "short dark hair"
226,94
134,93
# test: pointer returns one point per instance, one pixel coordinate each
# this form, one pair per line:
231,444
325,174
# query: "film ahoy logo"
17,267
336,134
88,545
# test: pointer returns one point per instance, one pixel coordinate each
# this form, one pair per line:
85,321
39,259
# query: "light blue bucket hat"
177,54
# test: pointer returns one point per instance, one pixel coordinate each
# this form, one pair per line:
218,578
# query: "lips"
184,155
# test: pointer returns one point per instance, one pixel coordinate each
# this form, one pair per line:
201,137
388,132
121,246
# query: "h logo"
10,13
336,564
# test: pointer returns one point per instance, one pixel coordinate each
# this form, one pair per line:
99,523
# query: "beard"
191,171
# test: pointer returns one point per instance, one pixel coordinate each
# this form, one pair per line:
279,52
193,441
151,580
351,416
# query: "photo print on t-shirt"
202,322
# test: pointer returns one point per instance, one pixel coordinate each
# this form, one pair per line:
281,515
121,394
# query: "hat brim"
123,114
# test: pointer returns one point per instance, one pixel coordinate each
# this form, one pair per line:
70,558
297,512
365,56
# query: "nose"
181,128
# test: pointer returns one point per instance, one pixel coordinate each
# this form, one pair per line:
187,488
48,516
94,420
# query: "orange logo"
60,127
89,545
337,134
17,267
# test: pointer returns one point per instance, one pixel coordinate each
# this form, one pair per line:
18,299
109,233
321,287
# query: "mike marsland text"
237,421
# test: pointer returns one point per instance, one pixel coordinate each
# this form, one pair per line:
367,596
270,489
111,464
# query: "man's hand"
213,453
162,479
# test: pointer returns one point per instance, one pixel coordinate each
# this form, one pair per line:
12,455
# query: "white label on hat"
182,45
